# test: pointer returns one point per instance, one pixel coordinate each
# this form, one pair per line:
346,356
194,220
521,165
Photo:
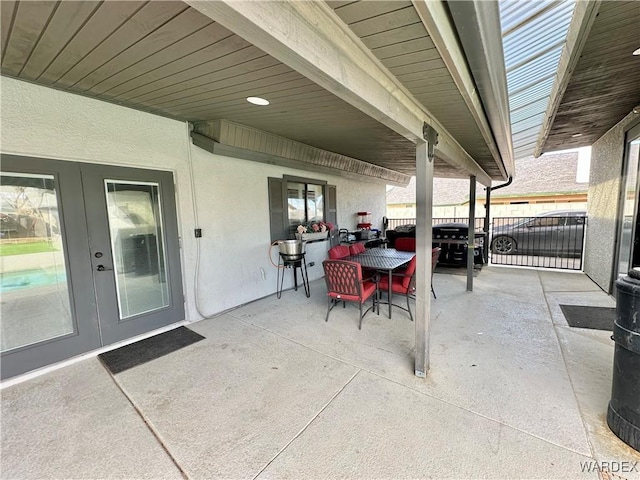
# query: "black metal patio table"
386,259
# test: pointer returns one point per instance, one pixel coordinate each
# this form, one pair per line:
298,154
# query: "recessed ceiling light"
636,51
575,135
258,101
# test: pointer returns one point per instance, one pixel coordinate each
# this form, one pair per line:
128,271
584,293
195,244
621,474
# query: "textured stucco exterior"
602,205
230,194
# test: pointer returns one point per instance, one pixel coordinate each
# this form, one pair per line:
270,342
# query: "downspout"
487,216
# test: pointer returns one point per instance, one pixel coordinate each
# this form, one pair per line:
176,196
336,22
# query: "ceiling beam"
441,29
311,39
583,17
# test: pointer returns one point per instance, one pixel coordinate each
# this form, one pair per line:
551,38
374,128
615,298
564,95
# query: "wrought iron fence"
549,241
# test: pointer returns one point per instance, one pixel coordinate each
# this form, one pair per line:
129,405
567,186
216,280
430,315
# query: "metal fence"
542,241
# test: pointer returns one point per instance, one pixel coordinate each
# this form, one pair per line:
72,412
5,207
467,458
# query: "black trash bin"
623,415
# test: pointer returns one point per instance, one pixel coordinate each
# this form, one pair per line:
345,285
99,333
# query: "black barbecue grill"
452,238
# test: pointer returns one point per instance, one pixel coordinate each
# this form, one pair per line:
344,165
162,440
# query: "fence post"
487,224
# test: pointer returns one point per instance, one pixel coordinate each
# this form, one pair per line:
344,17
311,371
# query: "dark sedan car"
558,233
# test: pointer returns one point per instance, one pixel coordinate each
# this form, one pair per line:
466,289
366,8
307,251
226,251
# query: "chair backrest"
357,248
338,252
405,244
343,278
411,269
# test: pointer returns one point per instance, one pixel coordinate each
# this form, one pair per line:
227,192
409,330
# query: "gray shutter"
278,220
331,205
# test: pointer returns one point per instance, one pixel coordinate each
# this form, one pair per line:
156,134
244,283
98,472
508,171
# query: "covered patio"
275,392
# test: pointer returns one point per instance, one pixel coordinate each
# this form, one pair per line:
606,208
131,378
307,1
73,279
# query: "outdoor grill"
452,238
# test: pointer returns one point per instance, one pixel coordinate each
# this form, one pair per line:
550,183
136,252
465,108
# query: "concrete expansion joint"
486,417
147,423
335,395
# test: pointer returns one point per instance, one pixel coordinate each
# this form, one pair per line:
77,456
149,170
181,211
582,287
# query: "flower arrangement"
314,227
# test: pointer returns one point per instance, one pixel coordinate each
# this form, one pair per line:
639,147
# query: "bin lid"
635,273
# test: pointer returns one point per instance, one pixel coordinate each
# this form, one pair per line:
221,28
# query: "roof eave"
478,26
581,22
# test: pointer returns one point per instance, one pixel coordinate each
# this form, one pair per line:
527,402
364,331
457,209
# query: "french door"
628,254
89,256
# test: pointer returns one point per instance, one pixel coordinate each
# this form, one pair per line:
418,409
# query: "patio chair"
357,248
406,244
345,283
338,252
402,283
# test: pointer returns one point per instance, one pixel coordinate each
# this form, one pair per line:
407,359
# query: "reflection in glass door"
629,240
136,231
34,288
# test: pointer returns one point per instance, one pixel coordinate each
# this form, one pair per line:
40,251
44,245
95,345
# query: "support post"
487,225
472,232
424,214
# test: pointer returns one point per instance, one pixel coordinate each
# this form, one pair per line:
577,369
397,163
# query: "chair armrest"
375,278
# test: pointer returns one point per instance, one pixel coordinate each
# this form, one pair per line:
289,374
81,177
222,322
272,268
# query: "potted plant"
313,231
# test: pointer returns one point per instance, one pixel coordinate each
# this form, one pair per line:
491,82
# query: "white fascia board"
310,38
477,24
436,20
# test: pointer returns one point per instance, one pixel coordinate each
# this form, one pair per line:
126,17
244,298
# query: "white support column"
424,214
472,232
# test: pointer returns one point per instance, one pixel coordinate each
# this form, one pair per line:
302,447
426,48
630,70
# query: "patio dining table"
384,259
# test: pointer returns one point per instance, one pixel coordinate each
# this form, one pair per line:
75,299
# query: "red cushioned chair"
357,248
402,283
338,252
405,244
345,283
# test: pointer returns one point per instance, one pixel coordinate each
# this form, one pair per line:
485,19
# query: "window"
305,203
294,200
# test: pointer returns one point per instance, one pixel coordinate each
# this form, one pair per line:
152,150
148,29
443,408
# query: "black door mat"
597,318
144,351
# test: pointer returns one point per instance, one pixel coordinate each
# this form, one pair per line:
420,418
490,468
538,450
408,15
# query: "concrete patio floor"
275,392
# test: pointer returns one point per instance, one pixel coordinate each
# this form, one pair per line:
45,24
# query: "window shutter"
332,205
277,210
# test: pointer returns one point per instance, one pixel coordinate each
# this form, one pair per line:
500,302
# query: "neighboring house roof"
550,174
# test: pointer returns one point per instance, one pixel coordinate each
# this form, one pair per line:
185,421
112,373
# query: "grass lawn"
25,248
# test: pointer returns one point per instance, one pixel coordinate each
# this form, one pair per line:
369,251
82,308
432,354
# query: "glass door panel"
136,230
628,241
48,310
34,288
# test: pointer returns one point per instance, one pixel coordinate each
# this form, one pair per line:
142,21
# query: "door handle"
102,268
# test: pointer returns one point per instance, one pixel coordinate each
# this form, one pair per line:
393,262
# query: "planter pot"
312,236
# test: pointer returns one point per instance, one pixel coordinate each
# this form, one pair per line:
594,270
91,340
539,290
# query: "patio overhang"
604,85
358,79
571,71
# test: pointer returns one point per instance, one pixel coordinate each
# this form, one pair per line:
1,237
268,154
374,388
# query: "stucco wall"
231,194
602,205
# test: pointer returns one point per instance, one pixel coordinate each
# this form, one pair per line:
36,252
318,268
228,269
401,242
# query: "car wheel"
503,245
